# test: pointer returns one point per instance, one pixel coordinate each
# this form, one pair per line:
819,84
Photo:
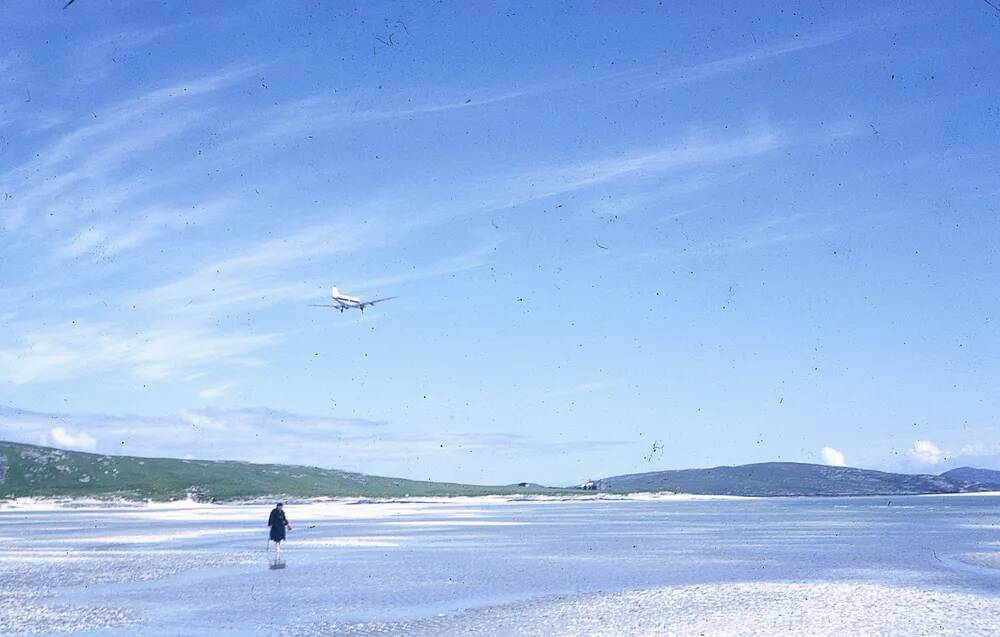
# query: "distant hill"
29,470
784,479
987,477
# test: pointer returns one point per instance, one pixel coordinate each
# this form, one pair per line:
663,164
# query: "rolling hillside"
988,477
28,470
785,479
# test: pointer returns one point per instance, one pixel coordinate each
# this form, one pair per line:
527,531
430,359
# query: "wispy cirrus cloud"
699,149
262,272
475,257
113,236
87,185
94,58
768,232
758,235
315,113
325,112
89,195
211,393
672,162
591,387
978,450
616,85
157,352
82,172
703,71
614,205
105,167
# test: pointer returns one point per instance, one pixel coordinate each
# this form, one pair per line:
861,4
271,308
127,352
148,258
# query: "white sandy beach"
506,566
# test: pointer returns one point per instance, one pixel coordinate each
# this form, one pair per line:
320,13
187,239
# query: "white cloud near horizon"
978,450
927,452
833,457
269,436
60,437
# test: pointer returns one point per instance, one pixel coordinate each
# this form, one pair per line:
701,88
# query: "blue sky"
624,237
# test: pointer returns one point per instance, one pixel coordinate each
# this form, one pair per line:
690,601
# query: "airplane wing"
374,301
323,305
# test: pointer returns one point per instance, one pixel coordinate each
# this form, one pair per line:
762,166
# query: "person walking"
278,523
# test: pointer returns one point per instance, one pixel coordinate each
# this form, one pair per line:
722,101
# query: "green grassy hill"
786,479
29,470
988,477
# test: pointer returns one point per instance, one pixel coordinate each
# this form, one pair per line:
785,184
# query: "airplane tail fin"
334,292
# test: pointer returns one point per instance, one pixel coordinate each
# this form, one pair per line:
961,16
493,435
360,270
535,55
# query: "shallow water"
497,567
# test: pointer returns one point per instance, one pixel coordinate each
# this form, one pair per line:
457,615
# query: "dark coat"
277,521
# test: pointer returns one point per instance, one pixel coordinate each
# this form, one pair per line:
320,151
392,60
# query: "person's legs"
277,551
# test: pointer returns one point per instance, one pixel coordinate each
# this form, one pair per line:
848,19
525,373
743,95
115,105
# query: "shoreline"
56,502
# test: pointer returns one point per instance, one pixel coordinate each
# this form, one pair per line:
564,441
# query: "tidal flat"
912,565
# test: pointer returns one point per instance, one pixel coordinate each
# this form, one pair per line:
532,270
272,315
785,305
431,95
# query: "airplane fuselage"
343,301
347,300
